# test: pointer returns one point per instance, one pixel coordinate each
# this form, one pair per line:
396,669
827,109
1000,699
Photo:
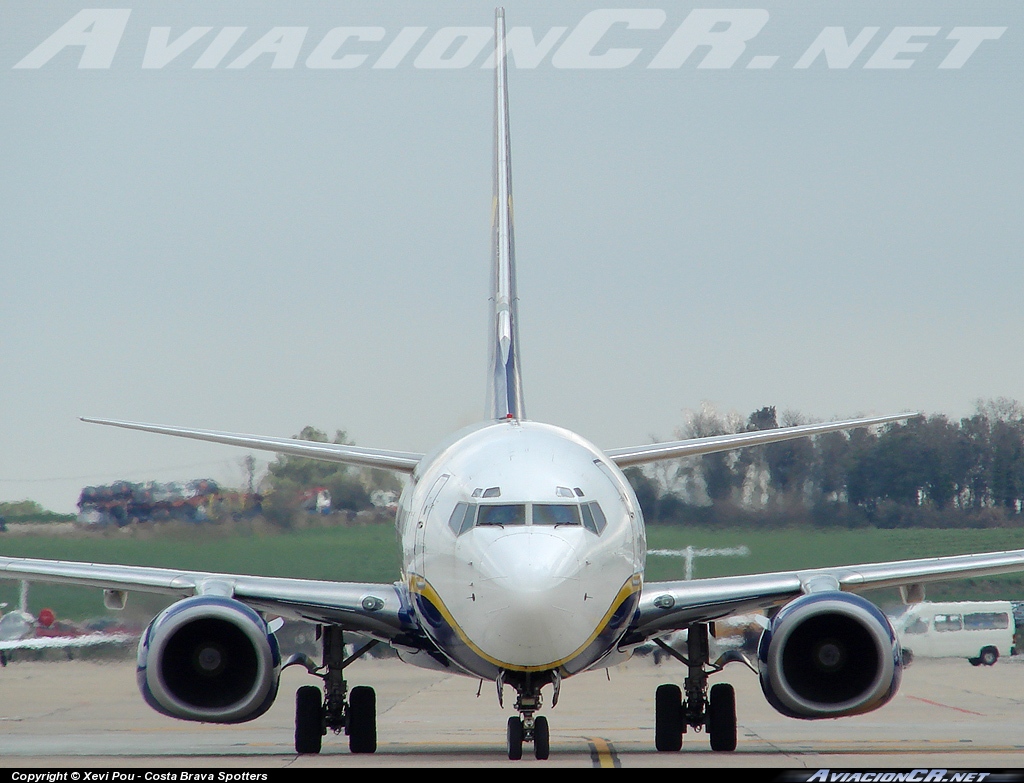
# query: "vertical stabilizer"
506,385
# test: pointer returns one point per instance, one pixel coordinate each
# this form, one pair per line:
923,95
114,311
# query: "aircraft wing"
637,455
401,461
374,609
63,642
671,606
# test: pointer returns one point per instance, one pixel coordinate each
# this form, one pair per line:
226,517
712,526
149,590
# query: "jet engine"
826,655
209,658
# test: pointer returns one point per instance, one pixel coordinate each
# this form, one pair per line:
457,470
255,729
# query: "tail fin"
505,383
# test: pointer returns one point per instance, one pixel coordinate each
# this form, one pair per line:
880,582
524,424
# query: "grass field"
780,550
356,554
370,554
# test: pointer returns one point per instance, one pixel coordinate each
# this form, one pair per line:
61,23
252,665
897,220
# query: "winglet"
505,391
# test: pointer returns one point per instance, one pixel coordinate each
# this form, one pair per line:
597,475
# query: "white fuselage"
522,548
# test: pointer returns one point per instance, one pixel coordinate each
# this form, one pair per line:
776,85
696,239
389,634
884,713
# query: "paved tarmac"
87,714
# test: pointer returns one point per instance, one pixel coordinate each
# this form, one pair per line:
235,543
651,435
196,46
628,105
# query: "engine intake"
211,659
828,655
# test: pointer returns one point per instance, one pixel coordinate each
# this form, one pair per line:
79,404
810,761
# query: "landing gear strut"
354,713
713,711
528,727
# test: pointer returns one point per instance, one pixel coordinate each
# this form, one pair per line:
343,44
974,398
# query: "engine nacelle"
827,655
209,658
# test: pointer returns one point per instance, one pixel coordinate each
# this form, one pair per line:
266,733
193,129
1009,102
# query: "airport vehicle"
980,631
523,553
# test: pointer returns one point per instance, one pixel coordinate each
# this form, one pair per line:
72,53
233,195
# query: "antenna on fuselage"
505,382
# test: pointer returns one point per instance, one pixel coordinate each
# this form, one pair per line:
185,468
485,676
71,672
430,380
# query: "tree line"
350,489
927,472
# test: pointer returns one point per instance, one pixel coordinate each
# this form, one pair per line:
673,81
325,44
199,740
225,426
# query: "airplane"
19,630
523,553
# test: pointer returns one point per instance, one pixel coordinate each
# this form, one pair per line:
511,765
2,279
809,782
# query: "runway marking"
602,754
947,706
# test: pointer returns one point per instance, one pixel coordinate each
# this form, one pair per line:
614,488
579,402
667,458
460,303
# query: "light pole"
690,553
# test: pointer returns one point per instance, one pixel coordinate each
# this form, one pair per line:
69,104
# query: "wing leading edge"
375,609
670,606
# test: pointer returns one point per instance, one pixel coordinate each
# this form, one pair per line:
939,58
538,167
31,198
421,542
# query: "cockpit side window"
501,514
555,514
593,518
462,518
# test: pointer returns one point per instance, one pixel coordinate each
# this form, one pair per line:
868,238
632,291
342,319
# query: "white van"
979,631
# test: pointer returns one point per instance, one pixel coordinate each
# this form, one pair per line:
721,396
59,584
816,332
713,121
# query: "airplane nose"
535,578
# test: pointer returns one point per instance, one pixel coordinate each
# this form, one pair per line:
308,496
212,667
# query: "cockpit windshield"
466,516
555,514
503,514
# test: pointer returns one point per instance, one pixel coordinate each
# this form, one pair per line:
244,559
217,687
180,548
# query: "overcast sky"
258,229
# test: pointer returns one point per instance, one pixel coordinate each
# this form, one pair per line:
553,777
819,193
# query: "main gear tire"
362,720
721,722
309,720
668,718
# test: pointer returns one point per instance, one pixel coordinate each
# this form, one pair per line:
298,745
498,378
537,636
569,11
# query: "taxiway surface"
87,714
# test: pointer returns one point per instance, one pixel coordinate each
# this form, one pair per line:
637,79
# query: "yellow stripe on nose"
420,586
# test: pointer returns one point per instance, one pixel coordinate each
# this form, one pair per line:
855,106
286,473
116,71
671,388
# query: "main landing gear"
354,713
714,711
528,727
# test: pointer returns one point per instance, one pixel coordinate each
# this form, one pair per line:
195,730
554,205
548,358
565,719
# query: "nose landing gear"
528,727
533,730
